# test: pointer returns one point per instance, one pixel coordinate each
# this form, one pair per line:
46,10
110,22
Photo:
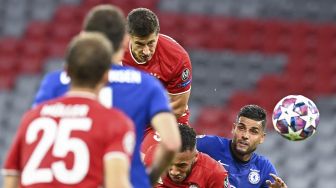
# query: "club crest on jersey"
254,177
193,186
185,74
226,182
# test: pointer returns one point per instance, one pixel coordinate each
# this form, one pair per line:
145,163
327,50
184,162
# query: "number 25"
57,136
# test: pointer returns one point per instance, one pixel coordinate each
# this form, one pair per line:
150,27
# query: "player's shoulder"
171,45
57,77
208,163
212,139
262,161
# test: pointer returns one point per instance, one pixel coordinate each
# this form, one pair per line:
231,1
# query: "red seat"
56,48
67,14
64,31
30,64
8,64
9,46
33,48
37,30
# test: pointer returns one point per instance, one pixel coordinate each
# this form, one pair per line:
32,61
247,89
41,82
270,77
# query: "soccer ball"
295,117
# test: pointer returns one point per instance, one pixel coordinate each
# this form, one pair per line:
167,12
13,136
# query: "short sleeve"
120,138
206,143
158,100
269,169
54,84
181,82
12,163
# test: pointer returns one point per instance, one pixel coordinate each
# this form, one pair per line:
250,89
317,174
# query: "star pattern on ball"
291,135
310,118
288,113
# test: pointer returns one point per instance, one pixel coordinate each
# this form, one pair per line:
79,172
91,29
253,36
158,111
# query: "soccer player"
246,168
74,141
136,93
163,57
191,168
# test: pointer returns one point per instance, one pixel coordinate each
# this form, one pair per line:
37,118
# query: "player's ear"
105,77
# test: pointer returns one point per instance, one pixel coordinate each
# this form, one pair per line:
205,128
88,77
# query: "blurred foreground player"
163,57
136,93
74,141
191,168
246,168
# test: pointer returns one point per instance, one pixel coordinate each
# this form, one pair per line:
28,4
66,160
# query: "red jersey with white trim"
170,64
205,173
62,143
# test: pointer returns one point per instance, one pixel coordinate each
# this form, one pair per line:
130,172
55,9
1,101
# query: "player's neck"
81,91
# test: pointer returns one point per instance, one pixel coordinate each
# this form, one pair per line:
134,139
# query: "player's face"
181,165
247,135
143,48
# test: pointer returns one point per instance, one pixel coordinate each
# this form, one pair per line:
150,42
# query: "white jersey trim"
10,172
180,93
115,155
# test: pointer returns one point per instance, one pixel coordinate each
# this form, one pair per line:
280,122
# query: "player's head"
249,129
143,28
88,59
183,161
110,21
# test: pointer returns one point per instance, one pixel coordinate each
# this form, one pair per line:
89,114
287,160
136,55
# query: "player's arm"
277,183
180,86
116,167
165,124
121,141
11,181
44,92
179,102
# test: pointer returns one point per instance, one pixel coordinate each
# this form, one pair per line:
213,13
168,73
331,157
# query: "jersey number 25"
57,137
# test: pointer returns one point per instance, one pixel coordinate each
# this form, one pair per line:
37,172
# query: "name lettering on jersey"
62,110
254,176
125,76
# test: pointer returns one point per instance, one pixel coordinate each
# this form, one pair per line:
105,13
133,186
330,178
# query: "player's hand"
278,182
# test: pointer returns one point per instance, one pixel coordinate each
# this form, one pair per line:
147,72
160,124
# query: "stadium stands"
242,52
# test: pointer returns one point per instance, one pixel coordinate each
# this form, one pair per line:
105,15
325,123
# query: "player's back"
136,93
62,143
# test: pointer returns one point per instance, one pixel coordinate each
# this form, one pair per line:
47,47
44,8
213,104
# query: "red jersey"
62,143
170,64
205,173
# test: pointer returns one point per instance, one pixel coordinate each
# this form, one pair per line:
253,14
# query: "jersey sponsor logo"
226,182
254,177
185,74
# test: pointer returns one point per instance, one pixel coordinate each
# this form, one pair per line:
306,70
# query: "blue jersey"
136,93
251,174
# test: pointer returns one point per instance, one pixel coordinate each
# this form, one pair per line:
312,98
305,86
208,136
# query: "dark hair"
109,20
142,22
254,112
88,57
188,137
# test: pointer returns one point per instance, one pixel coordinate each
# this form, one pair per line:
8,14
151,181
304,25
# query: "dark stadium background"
242,52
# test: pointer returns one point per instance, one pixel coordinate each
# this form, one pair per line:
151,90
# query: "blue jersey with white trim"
251,174
137,94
